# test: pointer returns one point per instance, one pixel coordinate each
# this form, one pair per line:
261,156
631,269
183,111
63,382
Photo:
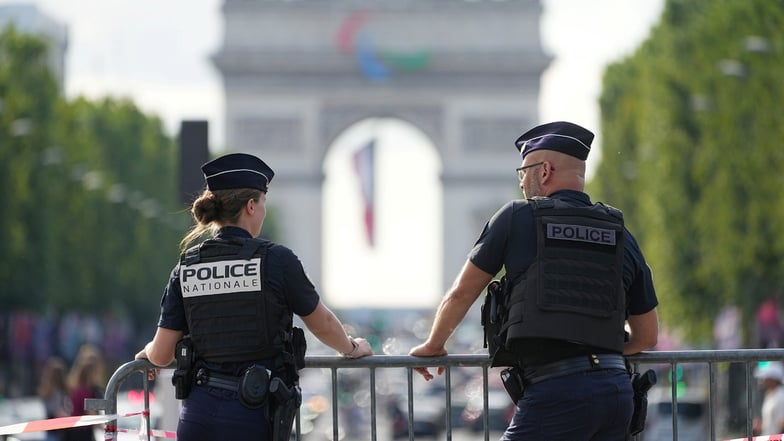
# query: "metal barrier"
711,358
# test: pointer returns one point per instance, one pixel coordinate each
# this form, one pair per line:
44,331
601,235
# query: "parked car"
692,415
429,414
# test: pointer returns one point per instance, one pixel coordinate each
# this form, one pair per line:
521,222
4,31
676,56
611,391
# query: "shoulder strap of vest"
251,246
192,255
612,211
541,202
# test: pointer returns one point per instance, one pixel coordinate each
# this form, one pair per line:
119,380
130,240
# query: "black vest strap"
541,202
250,247
192,255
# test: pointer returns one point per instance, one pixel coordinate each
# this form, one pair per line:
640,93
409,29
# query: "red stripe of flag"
364,165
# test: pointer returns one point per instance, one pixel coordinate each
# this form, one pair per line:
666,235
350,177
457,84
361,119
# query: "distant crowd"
28,341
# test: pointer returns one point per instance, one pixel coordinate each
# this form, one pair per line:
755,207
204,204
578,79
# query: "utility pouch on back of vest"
299,347
184,376
495,314
492,311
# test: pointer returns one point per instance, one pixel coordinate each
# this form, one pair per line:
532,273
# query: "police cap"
237,170
561,136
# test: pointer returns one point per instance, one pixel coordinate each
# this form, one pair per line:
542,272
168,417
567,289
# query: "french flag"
364,165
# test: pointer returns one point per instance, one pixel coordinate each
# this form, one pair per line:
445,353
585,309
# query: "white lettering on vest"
231,276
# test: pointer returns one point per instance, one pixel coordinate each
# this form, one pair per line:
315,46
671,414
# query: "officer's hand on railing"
151,373
361,348
424,350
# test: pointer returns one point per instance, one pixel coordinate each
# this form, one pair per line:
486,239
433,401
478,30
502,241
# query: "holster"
494,321
184,375
641,383
285,402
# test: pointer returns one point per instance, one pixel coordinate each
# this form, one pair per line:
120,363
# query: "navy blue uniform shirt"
508,241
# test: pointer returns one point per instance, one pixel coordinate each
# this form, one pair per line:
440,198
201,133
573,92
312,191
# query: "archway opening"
382,218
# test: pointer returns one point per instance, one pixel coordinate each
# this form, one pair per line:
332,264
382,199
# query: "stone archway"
466,74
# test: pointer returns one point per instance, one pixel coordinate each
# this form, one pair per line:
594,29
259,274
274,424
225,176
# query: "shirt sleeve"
490,248
172,308
287,276
638,279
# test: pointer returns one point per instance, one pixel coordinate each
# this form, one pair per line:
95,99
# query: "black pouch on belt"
513,383
253,387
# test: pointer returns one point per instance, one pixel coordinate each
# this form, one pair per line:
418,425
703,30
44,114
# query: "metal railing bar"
705,356
397,361
674,395
298,425
448,394
146,416
486,403
373,420
410,380
749,398
712,398
710,357
335,407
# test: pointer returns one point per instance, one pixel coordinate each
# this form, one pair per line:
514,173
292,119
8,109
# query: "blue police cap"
561,136
237,170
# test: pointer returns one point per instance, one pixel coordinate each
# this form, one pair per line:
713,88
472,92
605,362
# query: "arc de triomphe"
466,73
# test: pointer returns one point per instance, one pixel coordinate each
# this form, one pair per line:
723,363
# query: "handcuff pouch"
253,387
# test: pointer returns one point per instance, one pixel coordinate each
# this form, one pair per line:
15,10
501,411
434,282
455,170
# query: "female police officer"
234,296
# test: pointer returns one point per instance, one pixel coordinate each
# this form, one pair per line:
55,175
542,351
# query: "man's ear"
546,168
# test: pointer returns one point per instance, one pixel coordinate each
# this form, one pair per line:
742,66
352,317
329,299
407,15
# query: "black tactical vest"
573,290
230,316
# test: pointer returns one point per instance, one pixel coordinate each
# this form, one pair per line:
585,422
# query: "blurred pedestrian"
234,297
771,379
53,392
85,380
769,330
574,277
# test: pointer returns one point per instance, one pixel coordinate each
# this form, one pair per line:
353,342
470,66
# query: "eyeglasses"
521,170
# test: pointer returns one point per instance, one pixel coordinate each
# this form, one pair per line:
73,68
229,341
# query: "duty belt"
573,365
220,381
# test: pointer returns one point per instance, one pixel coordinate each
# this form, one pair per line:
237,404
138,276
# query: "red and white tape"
153,432
78,421
55,423
777,437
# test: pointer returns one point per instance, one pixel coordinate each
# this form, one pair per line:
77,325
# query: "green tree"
91,219
691,149
123,180
28,94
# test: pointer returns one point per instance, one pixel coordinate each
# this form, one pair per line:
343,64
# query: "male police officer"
574,277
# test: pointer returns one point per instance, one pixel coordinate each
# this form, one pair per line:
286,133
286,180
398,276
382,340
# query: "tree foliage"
692,152
90,217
